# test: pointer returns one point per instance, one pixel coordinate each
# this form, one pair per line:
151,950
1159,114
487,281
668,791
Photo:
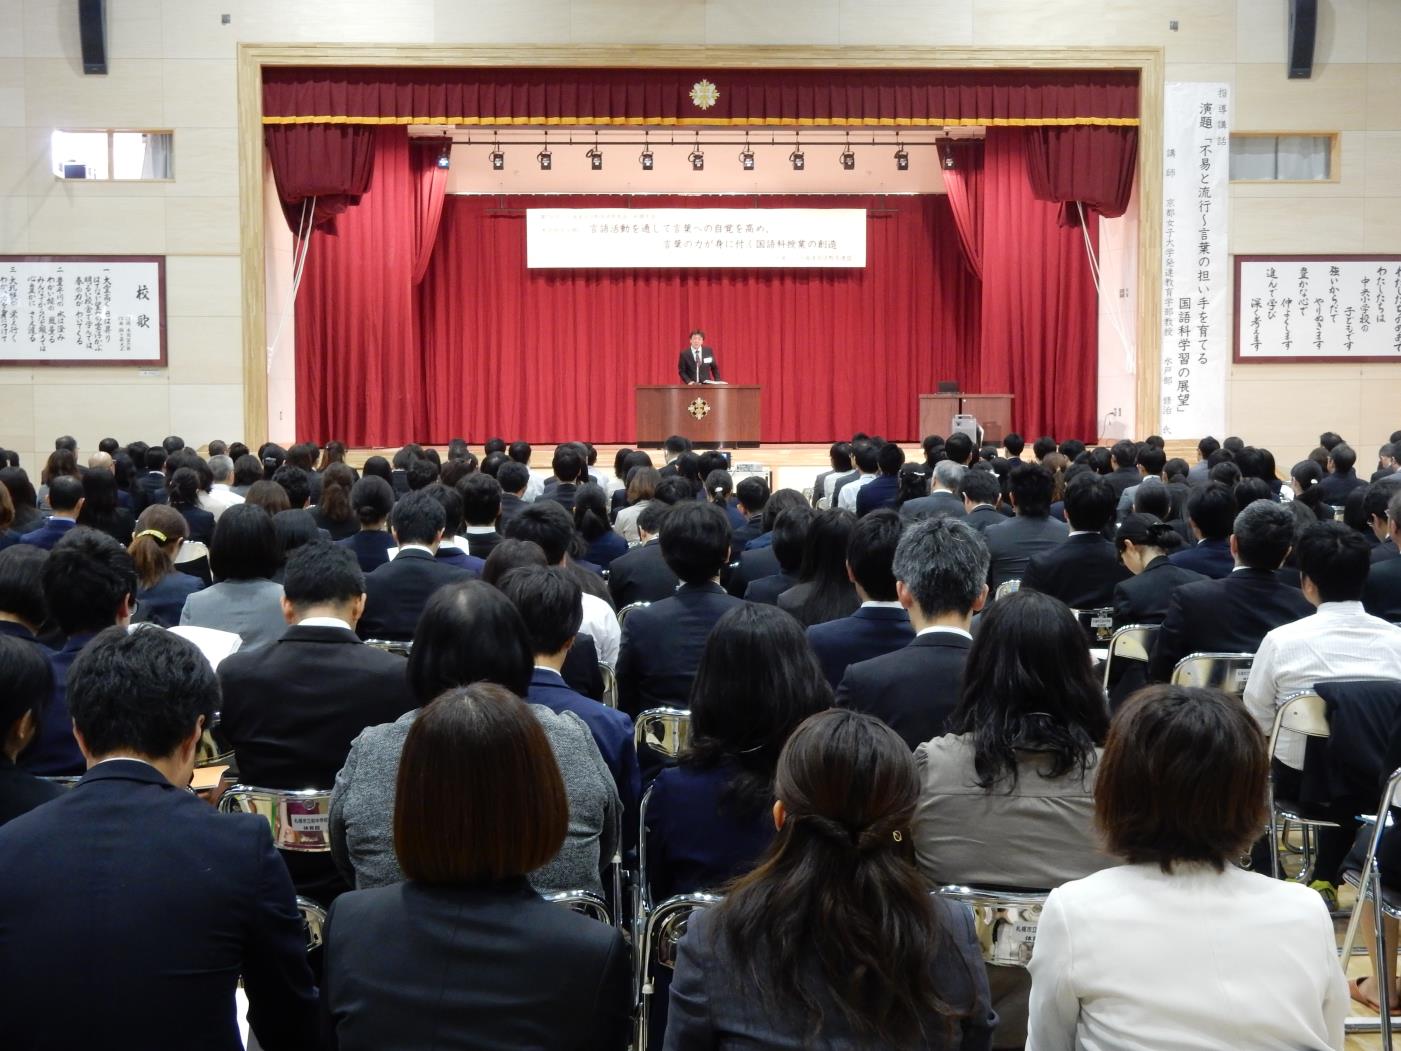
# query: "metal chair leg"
1384,965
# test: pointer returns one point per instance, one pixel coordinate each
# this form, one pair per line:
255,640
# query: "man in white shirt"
867,458
221,495
535,487
1339,641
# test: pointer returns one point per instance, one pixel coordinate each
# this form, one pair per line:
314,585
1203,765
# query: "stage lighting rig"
498,159
696,157
902,157
595,156
445,155
746,155
646,159
545,158
796,158
848,158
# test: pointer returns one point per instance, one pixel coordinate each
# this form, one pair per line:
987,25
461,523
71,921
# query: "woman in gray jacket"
469,632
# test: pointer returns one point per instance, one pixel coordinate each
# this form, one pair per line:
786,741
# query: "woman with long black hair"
824,591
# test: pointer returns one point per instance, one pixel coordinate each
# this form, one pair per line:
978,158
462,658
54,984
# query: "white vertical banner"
1196,324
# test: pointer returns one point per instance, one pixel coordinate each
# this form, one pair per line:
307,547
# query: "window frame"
1335,156
111,153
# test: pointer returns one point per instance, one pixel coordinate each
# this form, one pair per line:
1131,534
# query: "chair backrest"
629,609
191,551
1097,624
402,648
610,684
1132,642
1005,921
664,730
584,902
1227,672
313,920
64,781
1006,588
300,819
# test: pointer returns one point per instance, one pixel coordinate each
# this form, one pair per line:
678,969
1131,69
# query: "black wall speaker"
92,29
1303,24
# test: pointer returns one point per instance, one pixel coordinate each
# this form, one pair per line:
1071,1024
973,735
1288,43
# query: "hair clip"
897,836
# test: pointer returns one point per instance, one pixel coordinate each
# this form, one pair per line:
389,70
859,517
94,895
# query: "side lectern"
708,415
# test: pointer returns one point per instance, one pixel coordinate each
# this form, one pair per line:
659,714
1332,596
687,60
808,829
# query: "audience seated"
709,817
134,897
1342,477
981,492
481,512
396,592
89,584
150,487
335,510
23,611
1007,796
26,683
66,501
372,499
549,602
162,589
1083,570
840,458
549,526
244,556
1013,544
833,940
641,574
881,624
101,508
220,496
1339,641
758,560
1210,509
1144,543
1180,946
515,479
1151,463
789,539
480,804
940,567
752,494
884,490
824,590
944,499
1233,614
641,487
183,494
1382,595
867,458
470,632
662,644
26,502
591,523
1375,499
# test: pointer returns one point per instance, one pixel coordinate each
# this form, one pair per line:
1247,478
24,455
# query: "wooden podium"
994,413
708,415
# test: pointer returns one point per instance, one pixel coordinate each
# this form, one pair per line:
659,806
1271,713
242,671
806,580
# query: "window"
1275,157
126,155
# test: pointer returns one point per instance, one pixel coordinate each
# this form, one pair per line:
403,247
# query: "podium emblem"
700,408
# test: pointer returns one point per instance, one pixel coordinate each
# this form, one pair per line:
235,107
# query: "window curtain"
963,181
546,355
359,373
1094,166
1040,310
430,187
331,163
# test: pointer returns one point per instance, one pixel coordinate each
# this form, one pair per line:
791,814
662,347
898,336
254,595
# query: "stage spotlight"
546,161
746,159
797,159
498,159
848,160
946,155
445,155
902,158
595,157
697,159
647,160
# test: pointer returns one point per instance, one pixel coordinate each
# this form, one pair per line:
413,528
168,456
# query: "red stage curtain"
1040,311
964,185
359,373
430,187
548,355
493,95
1094,166
332,163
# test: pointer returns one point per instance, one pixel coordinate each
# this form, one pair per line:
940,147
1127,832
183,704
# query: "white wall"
172,66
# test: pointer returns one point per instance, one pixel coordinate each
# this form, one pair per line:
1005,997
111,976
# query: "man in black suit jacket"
190,899
1211,510
1342,476
1232,614
397,591
150,487
840,455
941,568
570,469
1083,570
943,500
785,555
752,495
1374,506
642,575
481,508
981,491
662,644
1125,473
880,625
697,362
514,479
24,669
1382,597
1014,542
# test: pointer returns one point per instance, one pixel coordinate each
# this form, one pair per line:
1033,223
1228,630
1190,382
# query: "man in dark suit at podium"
697,362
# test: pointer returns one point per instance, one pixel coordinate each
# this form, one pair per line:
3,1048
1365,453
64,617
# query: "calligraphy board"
1300,308
82,310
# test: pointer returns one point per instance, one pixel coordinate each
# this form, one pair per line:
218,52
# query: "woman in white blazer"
1179,947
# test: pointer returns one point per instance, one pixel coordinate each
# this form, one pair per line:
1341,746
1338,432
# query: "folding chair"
1302,715
584,902
1227,672
402,648
1097,624
629,609
610,684
1004,920
663,730
1007,587
663,932
1132,642
1384,903
313,921
64,781
300,819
